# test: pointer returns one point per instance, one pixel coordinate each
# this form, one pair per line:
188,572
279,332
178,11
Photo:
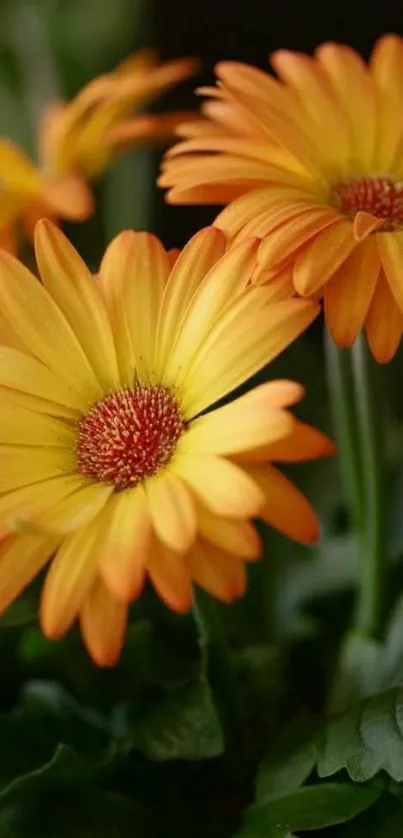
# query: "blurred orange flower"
312,163
110,463
77,140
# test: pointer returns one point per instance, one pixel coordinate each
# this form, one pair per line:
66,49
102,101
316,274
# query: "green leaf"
289,760
45,716
312,807
366,739
183,726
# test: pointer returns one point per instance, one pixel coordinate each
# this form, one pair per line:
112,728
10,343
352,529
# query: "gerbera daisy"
109,461
77,141
313,163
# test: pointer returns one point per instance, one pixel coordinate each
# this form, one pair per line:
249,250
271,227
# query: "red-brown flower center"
380,196
128,436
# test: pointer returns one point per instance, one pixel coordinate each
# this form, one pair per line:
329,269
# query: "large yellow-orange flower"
109,461
77,140
313,163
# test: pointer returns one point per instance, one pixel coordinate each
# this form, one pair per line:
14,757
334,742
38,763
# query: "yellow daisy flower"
313,164
109,462
77,141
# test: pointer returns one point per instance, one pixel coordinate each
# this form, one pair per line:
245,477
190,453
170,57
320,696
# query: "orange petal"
364,224
103,624
69,579
384,323
124,551
172,510
349,292
285,508
68,196
169,574
303,443
287,239
219,573
390,247
236,537
320,259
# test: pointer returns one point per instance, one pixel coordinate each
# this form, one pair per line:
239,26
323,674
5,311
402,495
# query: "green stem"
373,559
341,385
219,670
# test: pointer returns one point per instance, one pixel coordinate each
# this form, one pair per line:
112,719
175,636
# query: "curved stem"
373,555
342,396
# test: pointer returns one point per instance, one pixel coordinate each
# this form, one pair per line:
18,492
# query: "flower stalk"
373,570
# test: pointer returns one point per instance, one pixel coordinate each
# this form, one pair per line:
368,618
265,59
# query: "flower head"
312,163
83,135
78,140
110,463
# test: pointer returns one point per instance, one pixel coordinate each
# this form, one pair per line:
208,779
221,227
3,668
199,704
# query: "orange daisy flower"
110,463
313,164
77,141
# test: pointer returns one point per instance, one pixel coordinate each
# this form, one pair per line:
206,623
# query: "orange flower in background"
110,463
78,140
312,163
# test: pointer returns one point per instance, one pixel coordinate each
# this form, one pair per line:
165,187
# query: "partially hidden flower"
112,470
77,140
313,164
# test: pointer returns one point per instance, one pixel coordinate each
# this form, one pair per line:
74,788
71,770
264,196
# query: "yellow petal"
16,170
147,271
19,508
355,89
103,622
23,374
223,283
242,425
285,507
23,427
169,574
219,573
222,486
172,511
248,336
47,334
349,292
77,293
75,510
21,465
384,323
190,269
114,268
22,557
69,579
125,548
